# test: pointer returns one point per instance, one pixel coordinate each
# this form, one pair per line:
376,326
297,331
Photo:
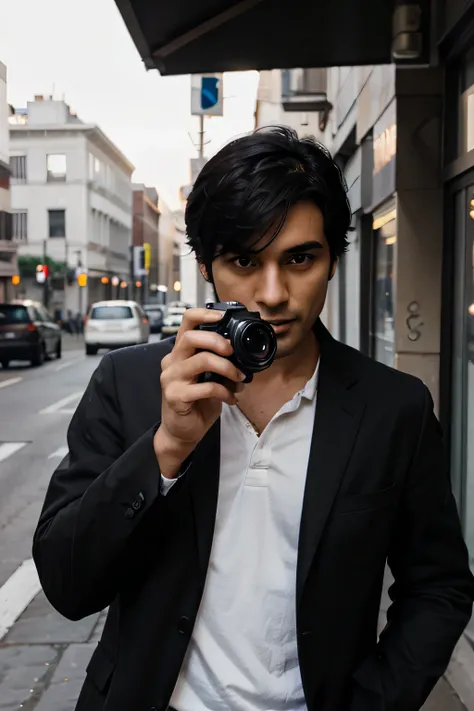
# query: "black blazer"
376,489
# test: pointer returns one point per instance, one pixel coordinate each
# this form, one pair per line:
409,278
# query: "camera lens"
257,341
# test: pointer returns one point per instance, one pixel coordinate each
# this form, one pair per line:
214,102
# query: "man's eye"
301,259
243,262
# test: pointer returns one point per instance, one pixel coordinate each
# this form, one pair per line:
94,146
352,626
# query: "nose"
272,290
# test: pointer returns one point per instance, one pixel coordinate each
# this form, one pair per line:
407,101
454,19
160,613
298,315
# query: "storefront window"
383,331
462,450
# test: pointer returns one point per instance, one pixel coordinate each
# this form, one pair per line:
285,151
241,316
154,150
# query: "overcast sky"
83,50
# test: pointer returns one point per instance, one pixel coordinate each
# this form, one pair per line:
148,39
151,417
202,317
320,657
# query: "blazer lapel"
205,489
339,412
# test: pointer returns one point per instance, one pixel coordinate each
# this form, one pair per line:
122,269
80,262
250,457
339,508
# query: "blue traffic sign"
209,92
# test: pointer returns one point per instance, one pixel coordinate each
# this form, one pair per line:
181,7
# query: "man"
239,533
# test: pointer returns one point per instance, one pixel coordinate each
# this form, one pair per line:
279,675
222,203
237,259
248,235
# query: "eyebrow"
296,249
304,247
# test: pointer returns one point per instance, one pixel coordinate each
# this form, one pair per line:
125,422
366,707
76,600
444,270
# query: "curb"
460,672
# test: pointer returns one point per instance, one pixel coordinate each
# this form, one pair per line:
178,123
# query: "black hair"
247,188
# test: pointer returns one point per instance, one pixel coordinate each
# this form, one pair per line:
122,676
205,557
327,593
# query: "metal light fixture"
407,39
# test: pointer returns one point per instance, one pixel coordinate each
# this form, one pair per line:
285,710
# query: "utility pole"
66,257
79,266
46,281
201,136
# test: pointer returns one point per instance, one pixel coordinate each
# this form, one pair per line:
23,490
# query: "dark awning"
199,36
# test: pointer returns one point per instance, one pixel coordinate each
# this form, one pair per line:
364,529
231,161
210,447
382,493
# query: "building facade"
457,318
71,205
8,250
169,239
404,293
145,239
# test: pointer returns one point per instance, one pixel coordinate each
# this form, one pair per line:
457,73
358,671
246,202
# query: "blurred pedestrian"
239,531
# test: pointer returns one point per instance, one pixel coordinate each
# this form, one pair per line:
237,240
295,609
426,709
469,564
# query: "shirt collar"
309,390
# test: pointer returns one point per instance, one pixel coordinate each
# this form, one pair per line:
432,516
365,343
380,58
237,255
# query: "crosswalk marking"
61,453
9,448
10,381
58,406
63,366
17,593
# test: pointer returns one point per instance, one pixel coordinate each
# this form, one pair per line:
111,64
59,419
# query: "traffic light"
16,279
42,273
82,280
147,257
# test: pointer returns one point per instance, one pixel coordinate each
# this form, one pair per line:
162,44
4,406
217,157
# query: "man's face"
286,282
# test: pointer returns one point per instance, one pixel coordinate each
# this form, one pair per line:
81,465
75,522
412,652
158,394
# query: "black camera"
253,340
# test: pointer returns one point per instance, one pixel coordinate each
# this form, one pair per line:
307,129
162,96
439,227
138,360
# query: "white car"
114,324
172,320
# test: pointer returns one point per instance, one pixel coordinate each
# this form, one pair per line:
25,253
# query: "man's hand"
190,408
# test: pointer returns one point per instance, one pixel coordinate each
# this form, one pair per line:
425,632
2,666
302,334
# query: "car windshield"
173,319
11,314
111,313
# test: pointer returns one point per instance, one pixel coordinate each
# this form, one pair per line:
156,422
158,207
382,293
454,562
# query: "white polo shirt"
243,655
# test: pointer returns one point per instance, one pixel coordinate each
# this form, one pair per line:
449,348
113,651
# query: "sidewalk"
43,659
44,656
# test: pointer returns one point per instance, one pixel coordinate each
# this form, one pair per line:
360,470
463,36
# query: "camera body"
253,340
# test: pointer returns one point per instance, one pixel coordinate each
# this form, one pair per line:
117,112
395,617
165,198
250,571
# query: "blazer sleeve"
433,590
95,502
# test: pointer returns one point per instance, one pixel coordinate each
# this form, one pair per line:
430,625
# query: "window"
20,226
5,225
56,163
462,417
57,223
385,237
91,166
111,313
10,314
18,169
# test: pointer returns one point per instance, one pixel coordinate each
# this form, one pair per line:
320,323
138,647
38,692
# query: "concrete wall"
419,224
270,110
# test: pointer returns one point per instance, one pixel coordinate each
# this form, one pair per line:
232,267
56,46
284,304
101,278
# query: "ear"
203,271
333,268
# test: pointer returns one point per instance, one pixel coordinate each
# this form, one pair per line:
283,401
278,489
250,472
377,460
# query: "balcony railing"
304,89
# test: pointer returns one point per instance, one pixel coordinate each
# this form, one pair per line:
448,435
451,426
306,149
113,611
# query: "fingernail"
242,376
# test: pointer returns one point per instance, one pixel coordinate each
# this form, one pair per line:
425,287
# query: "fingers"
181,393
195,317
192,341
203,362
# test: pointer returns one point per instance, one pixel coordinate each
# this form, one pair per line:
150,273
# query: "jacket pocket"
100,669
357,503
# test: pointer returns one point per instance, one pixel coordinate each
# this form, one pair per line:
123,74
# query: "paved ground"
42,655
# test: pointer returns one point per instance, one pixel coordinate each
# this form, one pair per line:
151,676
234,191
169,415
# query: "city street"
42,655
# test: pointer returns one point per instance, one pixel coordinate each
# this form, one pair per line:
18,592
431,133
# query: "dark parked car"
28,332
155,314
